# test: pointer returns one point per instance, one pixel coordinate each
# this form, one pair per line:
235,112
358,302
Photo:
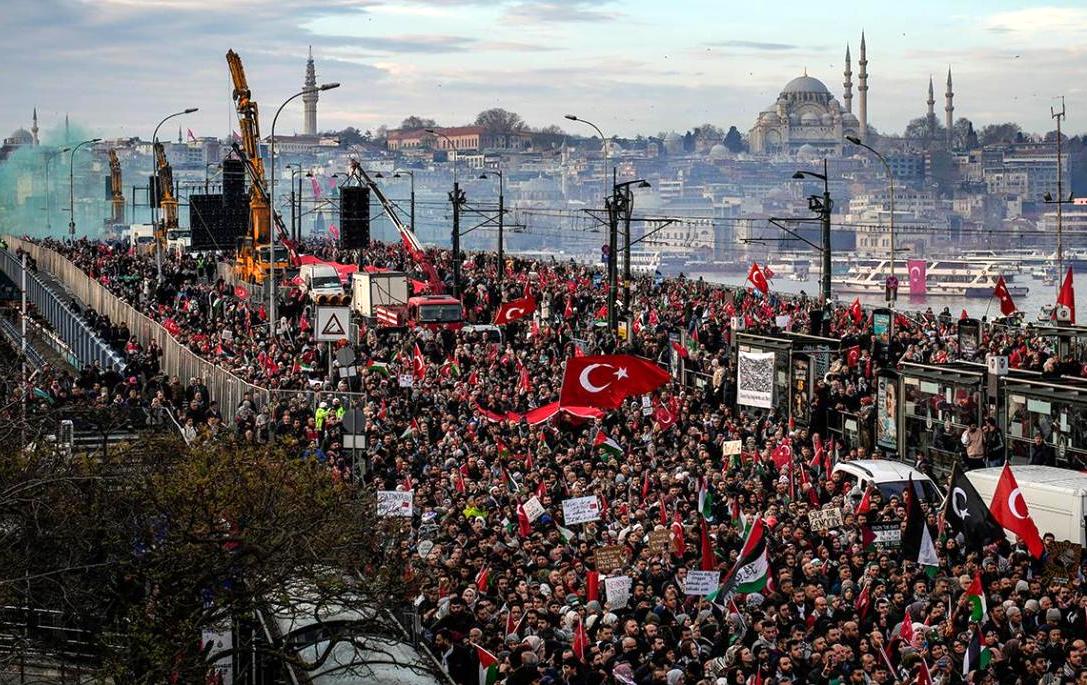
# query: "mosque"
809,122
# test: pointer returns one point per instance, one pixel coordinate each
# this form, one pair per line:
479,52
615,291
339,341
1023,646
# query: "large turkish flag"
1010,510
605,380
514,310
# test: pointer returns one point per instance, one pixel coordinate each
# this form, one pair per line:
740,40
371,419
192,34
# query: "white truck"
1056,498
382,295
321,284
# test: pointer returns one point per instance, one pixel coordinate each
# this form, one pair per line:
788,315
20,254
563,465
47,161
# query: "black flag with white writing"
965,512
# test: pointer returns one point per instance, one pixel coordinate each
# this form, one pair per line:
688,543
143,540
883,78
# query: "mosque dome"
805,84
809,119
807,153
21,136
718,151
770,118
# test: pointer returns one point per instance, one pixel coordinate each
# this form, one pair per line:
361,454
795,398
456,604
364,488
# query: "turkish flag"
1007,307
665,417
757,278
418,364
241,292
581,642
1067,296
709,559
514,310
918,276
605,380
1010,511
856,311
853,355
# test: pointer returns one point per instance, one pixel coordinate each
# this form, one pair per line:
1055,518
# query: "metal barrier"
177,360
15,337
69,326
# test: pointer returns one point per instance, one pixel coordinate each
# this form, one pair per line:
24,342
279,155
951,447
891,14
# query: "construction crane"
167,200
252,261
116,194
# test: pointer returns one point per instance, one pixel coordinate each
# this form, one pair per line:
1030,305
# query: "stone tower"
949,108
862,89
34,127
848,83
309,98
931,117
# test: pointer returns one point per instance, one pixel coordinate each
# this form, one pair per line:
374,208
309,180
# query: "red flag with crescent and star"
918,276
606,380
1010,511
1067,296
418,363
1007,307
514,310
758,279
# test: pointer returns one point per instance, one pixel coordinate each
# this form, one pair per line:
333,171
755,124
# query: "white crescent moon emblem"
961,512
1011,504
511,310
915,270
586,383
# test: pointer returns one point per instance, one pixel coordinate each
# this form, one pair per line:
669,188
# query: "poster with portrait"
755,379
881,326
801,391
887,411
969,337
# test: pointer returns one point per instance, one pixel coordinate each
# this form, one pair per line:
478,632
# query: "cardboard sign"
1062,563
888,535
580,510
731,447
332,324
702,582
406,380
610,557
825,518
660,541
617,590
533,508
395,503
647,406
424,548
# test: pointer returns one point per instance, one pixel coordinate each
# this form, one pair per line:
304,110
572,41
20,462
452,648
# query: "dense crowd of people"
526,590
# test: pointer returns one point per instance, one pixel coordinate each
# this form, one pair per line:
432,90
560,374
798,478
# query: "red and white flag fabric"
1010,511
758,278
1007,306
418,363
581,641
856,312
514,310
606,380
918,269
1067,296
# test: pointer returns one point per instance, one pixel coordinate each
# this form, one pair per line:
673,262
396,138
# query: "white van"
890,478
321,284
1056,498
141,236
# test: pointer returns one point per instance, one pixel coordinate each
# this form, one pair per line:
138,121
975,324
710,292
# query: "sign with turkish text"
731,447
580,510
660,541
533,508
702,582
609,558
617,590
395,503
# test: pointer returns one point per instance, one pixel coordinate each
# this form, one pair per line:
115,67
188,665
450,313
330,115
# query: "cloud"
1037,21
754,45
557,12
423,43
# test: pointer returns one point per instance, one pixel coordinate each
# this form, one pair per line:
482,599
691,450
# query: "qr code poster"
755,379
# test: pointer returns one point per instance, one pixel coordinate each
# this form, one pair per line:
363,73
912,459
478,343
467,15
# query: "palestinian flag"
752,569
503,449
488,667
736,514
975,597
566,533
705,500
607,445
380,368
917,545
411,430
865,505
454,367
977,657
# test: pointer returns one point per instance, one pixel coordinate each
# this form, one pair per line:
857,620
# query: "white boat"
943,278
791,267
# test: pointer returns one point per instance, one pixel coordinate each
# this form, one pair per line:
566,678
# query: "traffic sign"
333,324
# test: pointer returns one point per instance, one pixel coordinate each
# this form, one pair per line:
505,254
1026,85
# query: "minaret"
67,131
949,108
180,140
310,97
848,83
34,127
862,89
931,107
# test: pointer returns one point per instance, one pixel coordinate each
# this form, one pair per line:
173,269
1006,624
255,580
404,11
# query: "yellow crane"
116,194
253,255
167,201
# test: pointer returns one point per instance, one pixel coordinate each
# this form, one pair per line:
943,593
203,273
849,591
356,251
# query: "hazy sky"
639,66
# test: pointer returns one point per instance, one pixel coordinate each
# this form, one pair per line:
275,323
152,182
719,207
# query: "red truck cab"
435,312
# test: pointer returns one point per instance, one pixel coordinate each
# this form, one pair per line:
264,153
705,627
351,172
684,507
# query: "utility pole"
825,216
628,208
458,199
613,207
1060,196
501,213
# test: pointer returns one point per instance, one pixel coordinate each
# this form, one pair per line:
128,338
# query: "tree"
414,122
924,129
499,122
963,135
148,546
995,134
348,137
709,132
734,140
551,130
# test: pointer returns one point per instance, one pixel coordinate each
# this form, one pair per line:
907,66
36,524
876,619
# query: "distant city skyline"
637,67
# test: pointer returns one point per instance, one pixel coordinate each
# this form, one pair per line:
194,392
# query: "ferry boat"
791,267
943,278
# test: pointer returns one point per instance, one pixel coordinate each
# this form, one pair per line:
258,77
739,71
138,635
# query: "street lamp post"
823,208
457,198
891,180
411,175
501,217
272,203
573,117
154,205
48,188
71,185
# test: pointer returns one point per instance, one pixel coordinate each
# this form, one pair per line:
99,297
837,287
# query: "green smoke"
34,185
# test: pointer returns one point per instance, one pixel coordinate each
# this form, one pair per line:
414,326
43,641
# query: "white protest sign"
702,582
783,321
394,503
647,406
406,380
580,509
533,508
424,548
617,590
731,447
